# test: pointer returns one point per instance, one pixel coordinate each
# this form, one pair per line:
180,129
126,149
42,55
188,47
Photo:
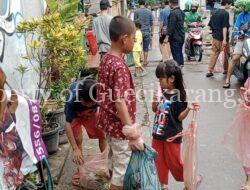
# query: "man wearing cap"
101,28
176,32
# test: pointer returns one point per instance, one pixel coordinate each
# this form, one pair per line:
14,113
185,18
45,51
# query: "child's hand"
156,100
166,40
194,106
78,157
137,144
155,97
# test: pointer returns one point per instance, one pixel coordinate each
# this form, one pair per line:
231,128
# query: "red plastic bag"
219,67
245,92
190,157
92,42
94,173
238,135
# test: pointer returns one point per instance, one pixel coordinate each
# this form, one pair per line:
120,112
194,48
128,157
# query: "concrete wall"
12,47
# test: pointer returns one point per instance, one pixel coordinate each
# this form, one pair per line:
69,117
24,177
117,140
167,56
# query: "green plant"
22,70
54,52
67,9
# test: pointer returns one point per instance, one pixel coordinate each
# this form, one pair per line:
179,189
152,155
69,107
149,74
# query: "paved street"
218,166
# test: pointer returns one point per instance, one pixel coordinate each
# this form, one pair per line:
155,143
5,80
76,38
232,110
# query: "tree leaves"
36,44
66,8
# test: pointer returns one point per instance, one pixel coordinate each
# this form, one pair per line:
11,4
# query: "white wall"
12,46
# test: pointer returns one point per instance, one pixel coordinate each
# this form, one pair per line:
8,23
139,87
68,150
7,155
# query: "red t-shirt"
114,81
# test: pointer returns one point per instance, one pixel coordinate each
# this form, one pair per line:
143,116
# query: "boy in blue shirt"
81,109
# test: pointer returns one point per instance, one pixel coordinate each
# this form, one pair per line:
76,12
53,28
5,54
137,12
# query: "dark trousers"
176,49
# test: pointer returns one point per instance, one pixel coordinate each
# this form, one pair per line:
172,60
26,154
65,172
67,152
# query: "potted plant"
55,53
50,132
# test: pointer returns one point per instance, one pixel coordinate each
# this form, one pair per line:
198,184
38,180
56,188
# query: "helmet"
244,4
194,7
194,4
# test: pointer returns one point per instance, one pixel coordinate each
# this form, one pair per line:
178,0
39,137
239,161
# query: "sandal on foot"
245,187
199,181
227,85
145,63
76,179
209,74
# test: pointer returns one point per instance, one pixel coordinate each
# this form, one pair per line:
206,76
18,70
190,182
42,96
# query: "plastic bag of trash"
219,67
141,173
130,59
237,137
190,155
245,92
94,173
190,172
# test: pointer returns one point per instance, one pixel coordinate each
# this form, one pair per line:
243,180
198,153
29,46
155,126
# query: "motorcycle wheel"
198,53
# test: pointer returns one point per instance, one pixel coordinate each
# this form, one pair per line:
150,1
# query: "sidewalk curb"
57,172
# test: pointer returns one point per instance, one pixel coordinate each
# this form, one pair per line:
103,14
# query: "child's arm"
121,107
155,102
184,114
122,110
77,152
191,106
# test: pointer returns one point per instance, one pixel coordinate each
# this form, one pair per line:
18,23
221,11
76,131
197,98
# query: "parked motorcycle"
242,69
193,43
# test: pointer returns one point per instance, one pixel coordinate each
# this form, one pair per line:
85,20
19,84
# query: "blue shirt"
242,19
73,106
145,17
164,15
69,110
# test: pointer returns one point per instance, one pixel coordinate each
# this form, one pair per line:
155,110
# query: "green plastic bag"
141,173
130,60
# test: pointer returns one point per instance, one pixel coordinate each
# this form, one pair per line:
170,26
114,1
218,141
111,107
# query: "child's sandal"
245,187
76,179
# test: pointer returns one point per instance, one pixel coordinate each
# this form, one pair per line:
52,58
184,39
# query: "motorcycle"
242,69
193,43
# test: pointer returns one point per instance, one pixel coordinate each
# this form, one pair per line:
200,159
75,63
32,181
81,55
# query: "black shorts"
162,38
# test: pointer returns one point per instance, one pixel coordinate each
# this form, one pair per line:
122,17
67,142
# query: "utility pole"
123,7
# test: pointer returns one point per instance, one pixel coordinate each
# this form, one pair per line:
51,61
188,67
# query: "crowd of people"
111,105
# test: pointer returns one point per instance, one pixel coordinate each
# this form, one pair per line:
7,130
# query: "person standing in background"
176,32
145,17
163,20
217,5
219,24
101,28
242,25
139,70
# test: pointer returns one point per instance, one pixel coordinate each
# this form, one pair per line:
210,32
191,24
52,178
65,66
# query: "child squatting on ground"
117,108
171,108
139,70
82,110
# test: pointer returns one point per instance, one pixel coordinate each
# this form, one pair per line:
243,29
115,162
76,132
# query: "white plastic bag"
134,134
94,173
